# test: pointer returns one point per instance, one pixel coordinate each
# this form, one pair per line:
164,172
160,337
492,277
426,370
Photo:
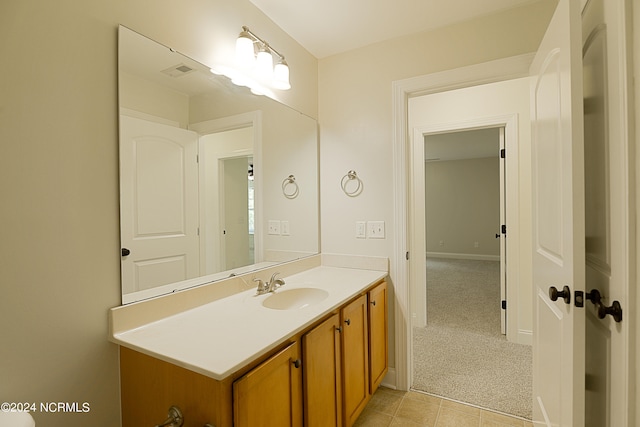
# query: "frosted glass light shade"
281,76
245,56
264,65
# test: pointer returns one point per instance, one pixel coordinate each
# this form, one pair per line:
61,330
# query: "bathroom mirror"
214,180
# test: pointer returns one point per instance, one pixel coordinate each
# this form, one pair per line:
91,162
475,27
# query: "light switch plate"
284,228
361,229
375,229
274,227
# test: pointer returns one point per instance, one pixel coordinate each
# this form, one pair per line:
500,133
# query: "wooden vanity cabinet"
149,386
322,377
365,350
271,393
322,373
378,336
355,359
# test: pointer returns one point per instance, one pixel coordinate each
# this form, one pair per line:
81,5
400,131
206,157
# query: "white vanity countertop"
219,338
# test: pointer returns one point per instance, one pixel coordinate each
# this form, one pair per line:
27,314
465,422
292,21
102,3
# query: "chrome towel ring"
351,176
290,187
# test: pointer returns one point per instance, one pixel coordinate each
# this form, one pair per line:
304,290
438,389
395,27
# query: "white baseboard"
389,380
525,337
479,257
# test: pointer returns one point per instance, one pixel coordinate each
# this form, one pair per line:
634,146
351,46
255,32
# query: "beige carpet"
461,354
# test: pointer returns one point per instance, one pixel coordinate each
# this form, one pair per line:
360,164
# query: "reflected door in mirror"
159,204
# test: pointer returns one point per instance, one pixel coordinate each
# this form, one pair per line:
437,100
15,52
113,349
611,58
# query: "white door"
558,222
607,217
159,204
235,212
502,235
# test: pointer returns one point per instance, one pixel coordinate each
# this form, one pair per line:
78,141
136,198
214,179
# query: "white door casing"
159,204
558,221
508,125
209,164
401,263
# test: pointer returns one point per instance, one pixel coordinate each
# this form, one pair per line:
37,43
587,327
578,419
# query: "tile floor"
392,408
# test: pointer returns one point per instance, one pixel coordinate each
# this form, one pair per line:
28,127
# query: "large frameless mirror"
214,180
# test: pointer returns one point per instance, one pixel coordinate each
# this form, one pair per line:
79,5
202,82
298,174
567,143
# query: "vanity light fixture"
254,65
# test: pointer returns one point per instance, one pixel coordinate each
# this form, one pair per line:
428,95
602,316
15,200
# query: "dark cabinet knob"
348,321
565,294
125,252
297,363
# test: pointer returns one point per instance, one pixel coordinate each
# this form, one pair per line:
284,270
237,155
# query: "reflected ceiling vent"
178,70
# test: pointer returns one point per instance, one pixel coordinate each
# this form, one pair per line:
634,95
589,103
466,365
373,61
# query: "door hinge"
406,255
503,228
503,153
504,304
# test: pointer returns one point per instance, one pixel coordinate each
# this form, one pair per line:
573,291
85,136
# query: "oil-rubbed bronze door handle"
615,310
565,294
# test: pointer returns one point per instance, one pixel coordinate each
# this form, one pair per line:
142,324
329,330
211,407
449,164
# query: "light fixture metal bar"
264,42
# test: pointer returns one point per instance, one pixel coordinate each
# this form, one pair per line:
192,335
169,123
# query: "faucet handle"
261,285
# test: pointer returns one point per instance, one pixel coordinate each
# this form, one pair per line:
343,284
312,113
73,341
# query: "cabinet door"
321,358
378,336
271,394
355,348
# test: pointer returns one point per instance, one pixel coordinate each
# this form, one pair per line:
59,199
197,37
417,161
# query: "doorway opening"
228,201
461,353
465,218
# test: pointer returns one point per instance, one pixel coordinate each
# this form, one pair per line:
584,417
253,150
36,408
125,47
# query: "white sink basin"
293,299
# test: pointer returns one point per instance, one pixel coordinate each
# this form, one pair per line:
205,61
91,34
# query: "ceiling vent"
178,70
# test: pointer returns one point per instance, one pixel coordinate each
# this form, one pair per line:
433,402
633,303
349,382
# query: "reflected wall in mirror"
202,166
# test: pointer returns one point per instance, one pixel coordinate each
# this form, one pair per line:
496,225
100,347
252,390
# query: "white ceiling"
328,27
469,144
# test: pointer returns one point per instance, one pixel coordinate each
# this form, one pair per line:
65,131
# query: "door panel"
558,220
271,394
607,220
159,204
235,217
355,368
322,357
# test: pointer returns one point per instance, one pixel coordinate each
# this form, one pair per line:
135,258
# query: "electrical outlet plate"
361,229
375,229
274,227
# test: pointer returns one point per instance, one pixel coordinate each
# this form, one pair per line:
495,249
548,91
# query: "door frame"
417,203
473,75
253,119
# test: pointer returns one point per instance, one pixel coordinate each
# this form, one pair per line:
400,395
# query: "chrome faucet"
270,286
274,283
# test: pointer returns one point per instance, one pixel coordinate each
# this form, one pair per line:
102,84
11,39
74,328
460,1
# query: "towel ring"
351,176
290,187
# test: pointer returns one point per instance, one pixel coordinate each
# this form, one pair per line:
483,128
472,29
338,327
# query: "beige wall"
59,245
463,207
